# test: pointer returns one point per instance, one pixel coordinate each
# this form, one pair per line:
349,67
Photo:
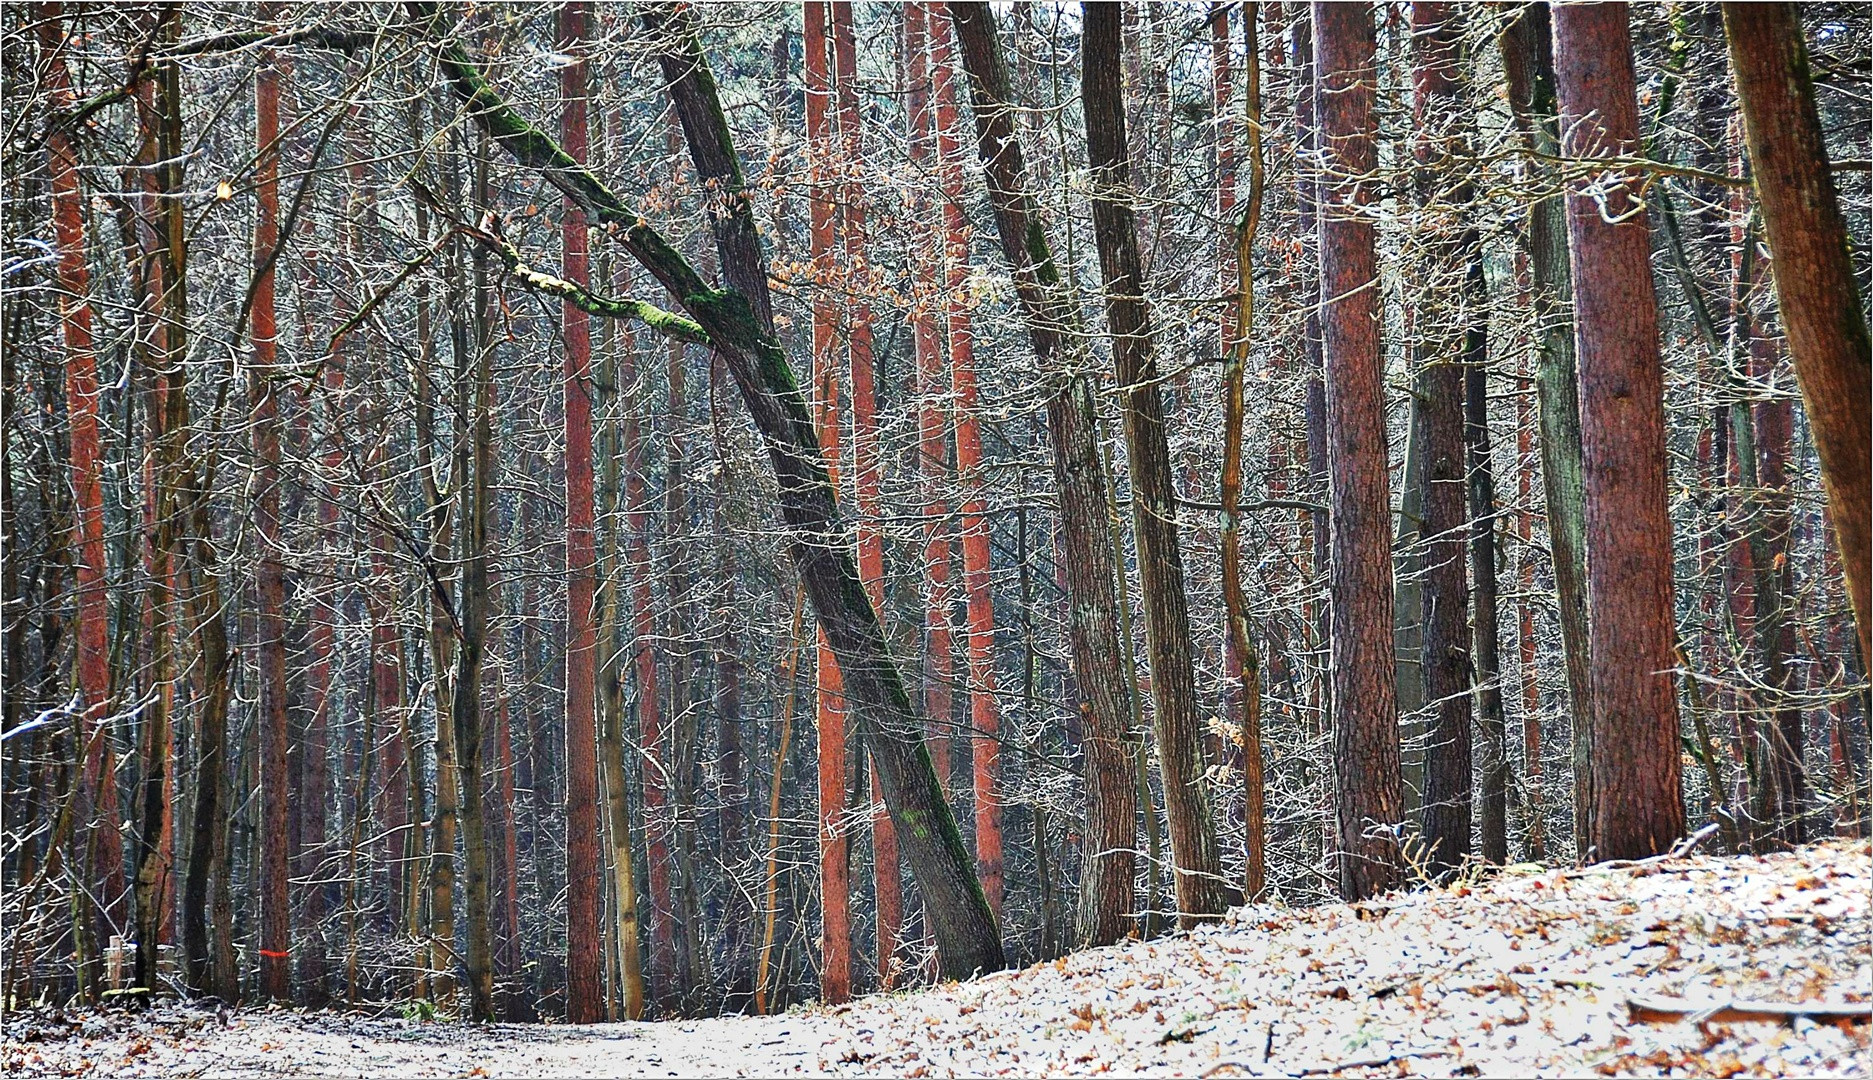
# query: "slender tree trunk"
1365,715
97,794
1089,561
865,460
275,944
984,714
585,993
1637,808
932,421
1438,113
1238,341
1202,891
1815,288
1491,723
835,845
1528,58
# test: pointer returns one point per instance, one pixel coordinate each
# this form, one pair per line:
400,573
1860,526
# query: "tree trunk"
1365,716
1491,724
1202,891
1528,58
984,714
1637,808
1089,560
585,992
1438,113
1814,282
835,845
1237,344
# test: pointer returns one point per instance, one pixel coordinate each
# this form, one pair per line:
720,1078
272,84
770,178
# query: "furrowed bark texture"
1365,707
1814,283
1444,653
1201,888
585,991
1637,809
1528,59
1088,561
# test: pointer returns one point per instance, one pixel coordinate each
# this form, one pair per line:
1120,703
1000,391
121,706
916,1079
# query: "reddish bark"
275,944
932,424
97,794
585,990
984,715
834,845
1814,281
865,461
1637,809
1364,701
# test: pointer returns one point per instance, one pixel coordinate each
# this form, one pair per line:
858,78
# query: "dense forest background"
423,423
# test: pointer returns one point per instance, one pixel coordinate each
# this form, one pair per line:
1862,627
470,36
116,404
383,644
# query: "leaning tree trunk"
1637,808
1814,279
737,321
1365,706
1055,331
1202,891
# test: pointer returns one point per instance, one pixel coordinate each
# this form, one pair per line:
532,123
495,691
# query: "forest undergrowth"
1695,965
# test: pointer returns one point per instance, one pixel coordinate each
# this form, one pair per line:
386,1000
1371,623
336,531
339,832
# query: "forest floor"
1534,971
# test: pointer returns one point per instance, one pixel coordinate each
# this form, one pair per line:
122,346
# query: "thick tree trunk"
585,991
1365,713
1637,808
1528,59
1439,111
1814,282
1202,891
1088,559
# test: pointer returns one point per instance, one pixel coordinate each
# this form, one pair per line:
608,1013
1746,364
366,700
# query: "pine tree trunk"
984,714
1365,713
585,993
1637,808
1815,286
1438,111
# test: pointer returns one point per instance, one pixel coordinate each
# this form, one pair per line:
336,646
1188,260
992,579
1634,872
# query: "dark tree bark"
738,321
1202,891
1485,649
1814,282
1088,561
1365,707
1438,112
1637,809
1528,58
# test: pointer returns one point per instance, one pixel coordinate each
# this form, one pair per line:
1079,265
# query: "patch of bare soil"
1694,966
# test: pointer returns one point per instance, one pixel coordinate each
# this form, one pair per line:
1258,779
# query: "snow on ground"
1535,971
